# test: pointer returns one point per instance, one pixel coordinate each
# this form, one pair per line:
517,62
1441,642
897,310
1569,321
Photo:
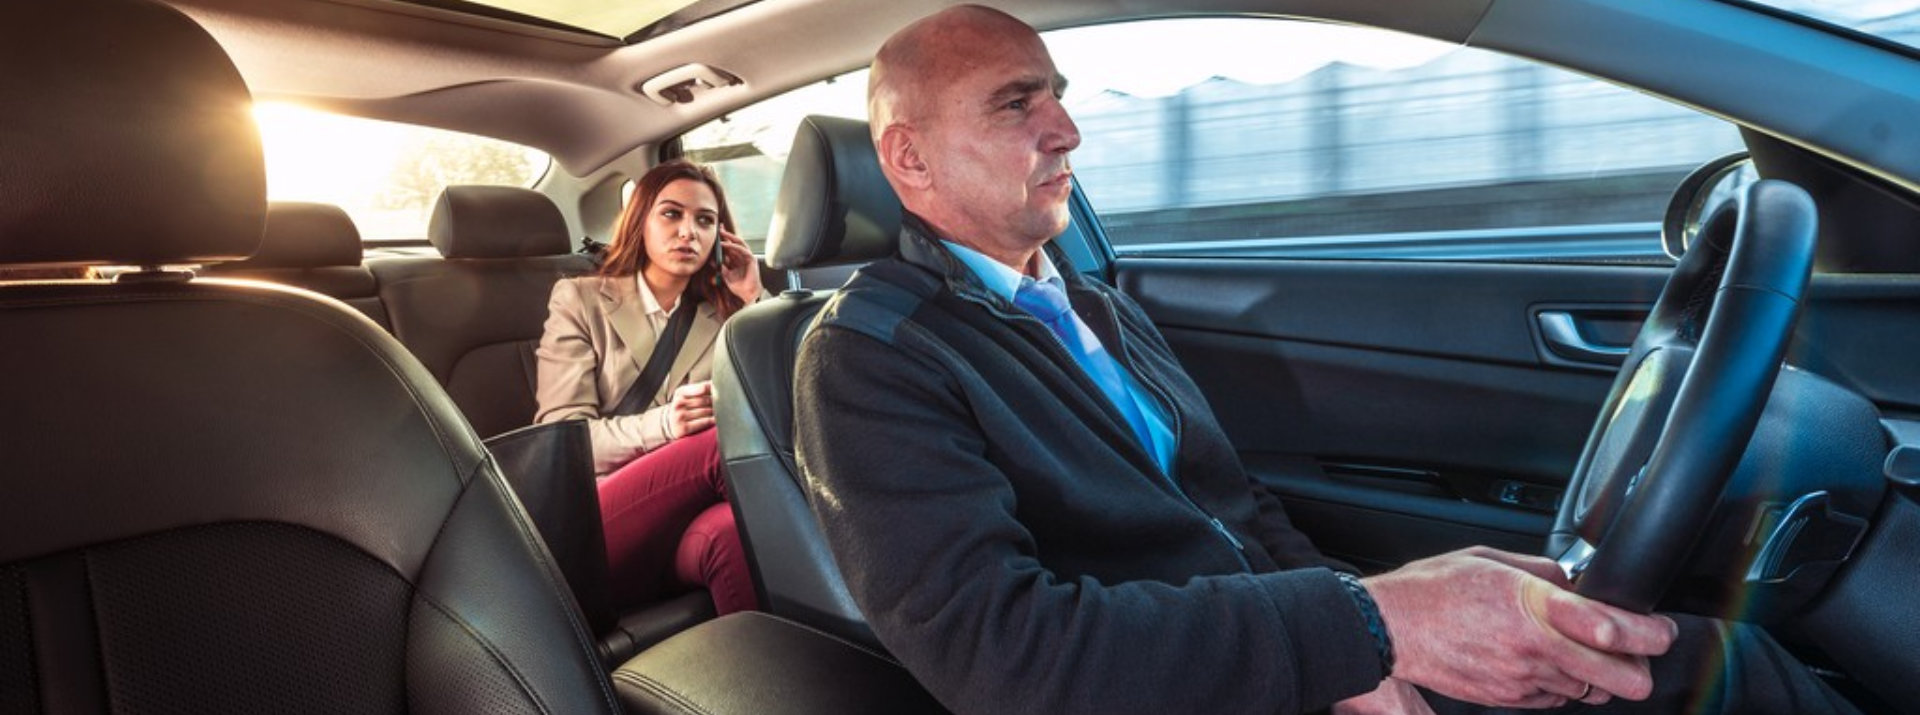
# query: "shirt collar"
647,301
998,277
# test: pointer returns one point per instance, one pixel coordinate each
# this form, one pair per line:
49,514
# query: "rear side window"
386,176
1277,138
748,148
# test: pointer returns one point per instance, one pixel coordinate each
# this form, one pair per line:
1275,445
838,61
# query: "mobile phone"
719,258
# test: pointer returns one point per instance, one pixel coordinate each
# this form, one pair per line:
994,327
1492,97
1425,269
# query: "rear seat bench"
475,314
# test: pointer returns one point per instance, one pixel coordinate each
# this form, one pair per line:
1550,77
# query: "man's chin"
1057,223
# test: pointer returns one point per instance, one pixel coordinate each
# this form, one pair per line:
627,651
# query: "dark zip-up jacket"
1012,543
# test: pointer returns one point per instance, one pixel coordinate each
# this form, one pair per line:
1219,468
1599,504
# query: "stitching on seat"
850,644
488,646
579,631
660,690
527,538
485,644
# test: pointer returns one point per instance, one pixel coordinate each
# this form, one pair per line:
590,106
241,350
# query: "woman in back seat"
662,497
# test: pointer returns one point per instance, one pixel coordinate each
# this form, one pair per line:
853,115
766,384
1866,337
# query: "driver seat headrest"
834,206
124,162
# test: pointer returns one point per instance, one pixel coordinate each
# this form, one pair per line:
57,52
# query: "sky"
1160,59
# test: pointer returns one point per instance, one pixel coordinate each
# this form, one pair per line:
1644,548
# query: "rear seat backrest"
475,314
315,247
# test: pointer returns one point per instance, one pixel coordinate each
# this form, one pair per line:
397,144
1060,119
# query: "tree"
440,161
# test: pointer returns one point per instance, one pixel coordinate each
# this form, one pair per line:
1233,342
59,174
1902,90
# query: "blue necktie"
1046,301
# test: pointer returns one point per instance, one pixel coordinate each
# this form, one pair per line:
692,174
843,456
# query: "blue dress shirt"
1154,425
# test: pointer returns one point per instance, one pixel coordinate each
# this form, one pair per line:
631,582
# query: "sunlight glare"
315,156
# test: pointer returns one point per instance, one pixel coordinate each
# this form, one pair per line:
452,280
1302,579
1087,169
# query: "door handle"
1562,334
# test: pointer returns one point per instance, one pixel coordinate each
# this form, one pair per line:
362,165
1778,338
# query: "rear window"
385,175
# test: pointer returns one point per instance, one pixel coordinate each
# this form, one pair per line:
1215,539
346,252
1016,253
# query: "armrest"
755,663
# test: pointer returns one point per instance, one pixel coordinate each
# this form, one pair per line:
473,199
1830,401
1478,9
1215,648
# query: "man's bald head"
903,80
965,112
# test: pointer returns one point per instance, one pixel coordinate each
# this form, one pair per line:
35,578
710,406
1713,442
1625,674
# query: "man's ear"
900,157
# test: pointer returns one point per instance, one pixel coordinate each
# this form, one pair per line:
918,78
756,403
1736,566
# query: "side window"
1276,138
386,176
748,148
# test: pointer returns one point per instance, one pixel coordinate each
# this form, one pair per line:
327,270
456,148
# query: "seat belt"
665,350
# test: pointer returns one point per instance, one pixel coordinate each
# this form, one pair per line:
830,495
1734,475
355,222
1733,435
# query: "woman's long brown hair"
628,254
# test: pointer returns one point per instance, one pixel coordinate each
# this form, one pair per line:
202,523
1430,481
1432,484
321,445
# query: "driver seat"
834,208
227,496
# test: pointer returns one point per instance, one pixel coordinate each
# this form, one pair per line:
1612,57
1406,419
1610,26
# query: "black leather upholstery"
300,234
550,469
765,665
81,181
834,207
227,496
496,222
474,316
315,247
793,569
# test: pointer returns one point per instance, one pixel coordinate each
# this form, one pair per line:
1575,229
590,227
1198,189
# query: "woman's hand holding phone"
739,269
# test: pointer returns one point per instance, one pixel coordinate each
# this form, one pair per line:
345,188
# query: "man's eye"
1018,105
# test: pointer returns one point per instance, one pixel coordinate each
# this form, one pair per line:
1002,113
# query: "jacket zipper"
1179,428
1239,548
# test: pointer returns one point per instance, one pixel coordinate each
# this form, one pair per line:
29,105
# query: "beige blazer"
596,342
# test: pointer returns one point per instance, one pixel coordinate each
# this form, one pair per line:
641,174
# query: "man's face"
996,139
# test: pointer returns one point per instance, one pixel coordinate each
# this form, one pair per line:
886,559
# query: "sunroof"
614,19
629,20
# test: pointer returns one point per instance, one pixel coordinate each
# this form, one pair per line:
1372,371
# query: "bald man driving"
1033,504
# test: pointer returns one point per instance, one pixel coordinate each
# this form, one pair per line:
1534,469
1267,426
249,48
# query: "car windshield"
1895,20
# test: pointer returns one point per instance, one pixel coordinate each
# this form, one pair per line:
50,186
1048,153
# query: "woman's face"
681,227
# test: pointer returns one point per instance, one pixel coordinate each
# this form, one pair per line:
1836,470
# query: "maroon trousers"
669,527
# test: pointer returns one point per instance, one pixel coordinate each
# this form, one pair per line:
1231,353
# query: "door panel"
1402,409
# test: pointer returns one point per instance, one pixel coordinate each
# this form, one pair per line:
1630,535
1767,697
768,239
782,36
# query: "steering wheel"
1686,400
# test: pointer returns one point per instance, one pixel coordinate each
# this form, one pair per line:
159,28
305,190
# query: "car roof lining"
572,94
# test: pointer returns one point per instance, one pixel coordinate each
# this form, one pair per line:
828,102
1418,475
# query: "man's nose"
1063,135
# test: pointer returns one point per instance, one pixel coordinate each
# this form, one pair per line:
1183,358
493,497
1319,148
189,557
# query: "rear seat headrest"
497,222
305,235
129,139
834,207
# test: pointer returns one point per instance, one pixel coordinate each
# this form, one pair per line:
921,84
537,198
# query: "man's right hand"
1502,629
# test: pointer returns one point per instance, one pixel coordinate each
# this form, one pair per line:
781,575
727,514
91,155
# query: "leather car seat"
834,208
814,653
312,246
226,496
474,315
